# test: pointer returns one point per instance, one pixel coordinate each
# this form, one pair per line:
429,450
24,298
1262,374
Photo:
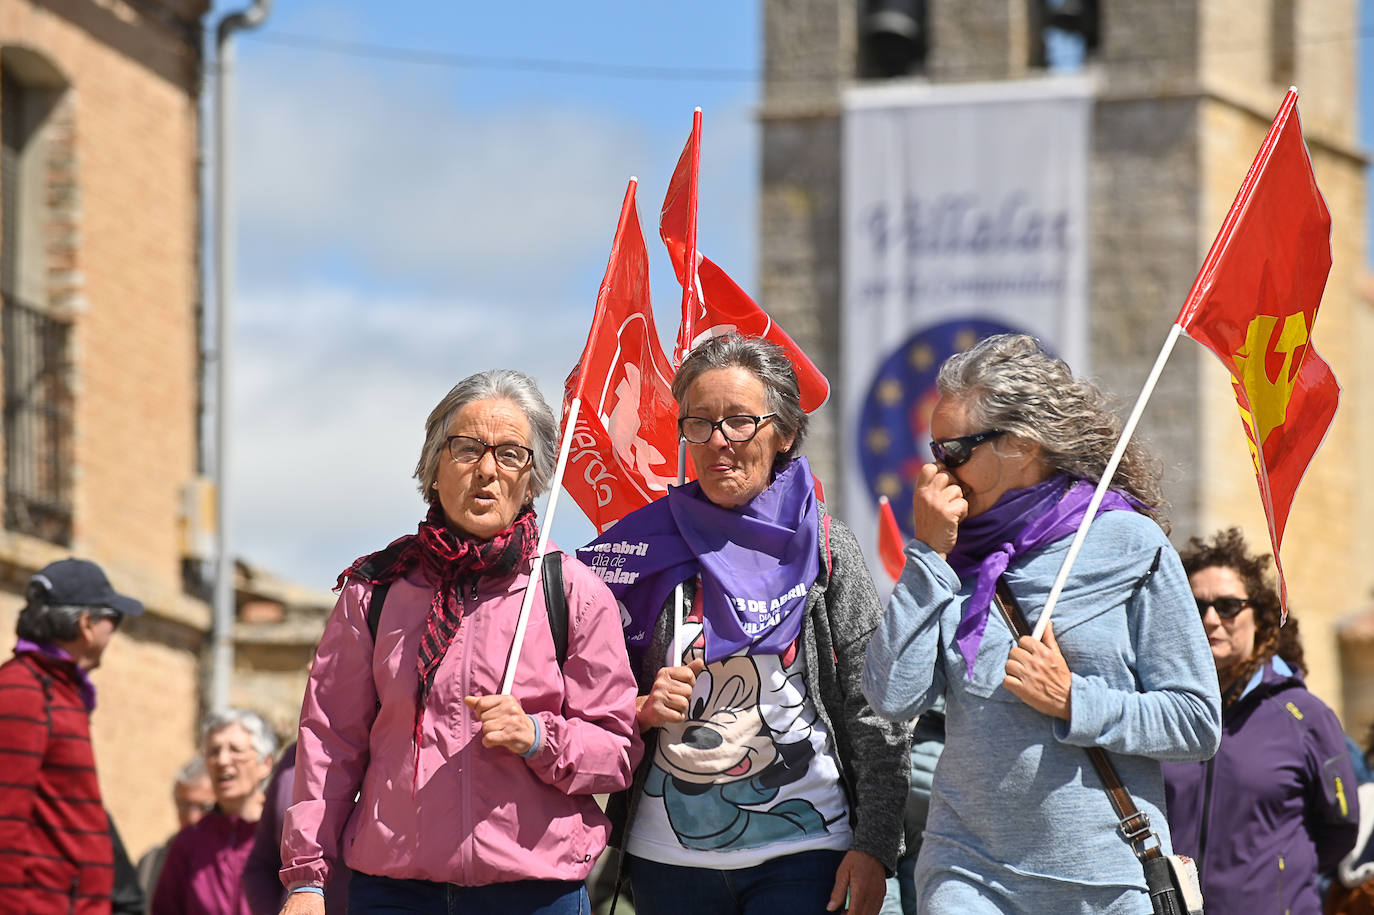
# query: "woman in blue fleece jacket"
1277,805
1019,821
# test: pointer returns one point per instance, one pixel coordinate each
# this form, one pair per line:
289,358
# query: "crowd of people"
733,719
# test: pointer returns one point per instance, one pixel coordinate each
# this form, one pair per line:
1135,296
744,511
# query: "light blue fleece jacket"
1016,807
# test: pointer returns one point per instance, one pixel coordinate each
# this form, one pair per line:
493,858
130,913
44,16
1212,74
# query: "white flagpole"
569,427
677,589
1106,480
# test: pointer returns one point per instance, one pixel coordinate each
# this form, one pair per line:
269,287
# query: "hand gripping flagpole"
1106,481
569,427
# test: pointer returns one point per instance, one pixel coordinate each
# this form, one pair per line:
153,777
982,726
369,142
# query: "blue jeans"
797,884
371,895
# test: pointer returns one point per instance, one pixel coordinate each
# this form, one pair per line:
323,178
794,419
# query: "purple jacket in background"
1274,808
261,875
203,871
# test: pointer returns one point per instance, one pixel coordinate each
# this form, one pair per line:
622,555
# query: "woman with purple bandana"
768,783
1019,821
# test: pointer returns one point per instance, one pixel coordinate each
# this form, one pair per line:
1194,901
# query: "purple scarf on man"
756,563
1023,520
84,685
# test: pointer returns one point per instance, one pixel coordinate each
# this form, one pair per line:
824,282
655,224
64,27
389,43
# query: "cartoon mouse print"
745,738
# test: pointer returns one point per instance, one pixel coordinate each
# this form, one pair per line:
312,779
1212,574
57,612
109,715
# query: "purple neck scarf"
49,650
756,563
1023,520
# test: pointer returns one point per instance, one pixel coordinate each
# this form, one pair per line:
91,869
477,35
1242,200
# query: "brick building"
101,286
1184,93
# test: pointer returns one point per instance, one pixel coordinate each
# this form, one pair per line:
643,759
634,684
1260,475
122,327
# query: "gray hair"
769,364
192,772
497,384
1008,382
264,741
40,621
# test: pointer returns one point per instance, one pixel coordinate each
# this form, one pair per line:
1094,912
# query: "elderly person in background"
56,853
194,797
771,785
1277,806
471,800
202,872
1019,821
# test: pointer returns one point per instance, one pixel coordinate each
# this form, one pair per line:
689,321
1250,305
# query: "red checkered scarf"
454,562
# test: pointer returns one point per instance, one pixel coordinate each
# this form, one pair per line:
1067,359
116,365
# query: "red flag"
680,210
1254,305
712,304
890,544
624,451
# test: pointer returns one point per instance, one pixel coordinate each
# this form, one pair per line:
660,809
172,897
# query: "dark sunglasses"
1226,607
108,613
952,452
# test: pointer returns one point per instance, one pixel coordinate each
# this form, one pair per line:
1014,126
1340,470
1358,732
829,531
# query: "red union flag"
1254,304
624,449
890,544
712,304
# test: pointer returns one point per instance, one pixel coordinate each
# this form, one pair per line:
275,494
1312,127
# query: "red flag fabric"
712,303
680,210
1254,304
624,450
890,543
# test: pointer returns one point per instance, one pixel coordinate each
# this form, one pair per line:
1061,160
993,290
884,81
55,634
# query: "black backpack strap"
374,609
369,570
556,603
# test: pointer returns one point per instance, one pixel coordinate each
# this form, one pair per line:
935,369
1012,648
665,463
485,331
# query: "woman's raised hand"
668,697
938,507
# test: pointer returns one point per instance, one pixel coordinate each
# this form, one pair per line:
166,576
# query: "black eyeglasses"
1226,607
738,428
952,452
468,450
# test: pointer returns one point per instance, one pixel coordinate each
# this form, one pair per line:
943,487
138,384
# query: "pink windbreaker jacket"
472,815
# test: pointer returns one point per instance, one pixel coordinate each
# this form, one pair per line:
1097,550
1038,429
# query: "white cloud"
396,237
400,175
329,416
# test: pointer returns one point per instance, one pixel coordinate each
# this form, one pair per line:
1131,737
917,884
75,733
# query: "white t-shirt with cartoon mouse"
751,775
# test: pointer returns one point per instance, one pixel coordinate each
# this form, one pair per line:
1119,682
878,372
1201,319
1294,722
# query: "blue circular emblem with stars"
894,422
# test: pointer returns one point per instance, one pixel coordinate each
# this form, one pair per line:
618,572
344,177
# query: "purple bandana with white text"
756,563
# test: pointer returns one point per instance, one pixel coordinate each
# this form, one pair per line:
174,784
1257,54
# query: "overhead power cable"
514,64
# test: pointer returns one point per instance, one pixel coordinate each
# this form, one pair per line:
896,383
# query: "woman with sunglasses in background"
1277,805
1019,821
768,783
440,792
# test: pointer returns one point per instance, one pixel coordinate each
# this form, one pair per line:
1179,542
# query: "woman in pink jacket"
438,792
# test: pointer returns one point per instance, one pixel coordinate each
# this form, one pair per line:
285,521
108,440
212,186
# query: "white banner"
965,215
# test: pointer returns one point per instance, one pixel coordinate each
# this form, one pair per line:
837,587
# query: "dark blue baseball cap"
81,583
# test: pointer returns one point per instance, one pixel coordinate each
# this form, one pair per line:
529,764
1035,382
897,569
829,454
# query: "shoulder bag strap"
1133,822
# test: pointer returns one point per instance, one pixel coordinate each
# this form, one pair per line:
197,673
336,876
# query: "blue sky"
405,220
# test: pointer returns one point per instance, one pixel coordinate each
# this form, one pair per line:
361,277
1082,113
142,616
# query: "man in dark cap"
55,848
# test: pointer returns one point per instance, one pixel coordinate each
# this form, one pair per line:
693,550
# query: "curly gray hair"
496,384
768,362
1008,382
